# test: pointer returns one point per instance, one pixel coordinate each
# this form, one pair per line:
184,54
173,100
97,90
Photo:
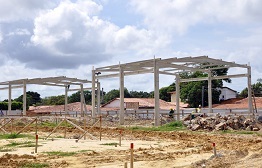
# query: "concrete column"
209,92
250,104
66,100
82,100
93,94
156,94
24,98
178,96
98,98
9,99
122,95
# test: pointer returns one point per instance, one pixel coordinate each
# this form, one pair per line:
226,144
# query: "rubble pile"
218,122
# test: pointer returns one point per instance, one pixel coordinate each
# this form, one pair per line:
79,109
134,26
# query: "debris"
218,122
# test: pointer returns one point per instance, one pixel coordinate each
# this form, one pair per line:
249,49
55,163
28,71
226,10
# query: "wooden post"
65,133
12,125
120,136
100,127
132,155
85,127
214,148
36,136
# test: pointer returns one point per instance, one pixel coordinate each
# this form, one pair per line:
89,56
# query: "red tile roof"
238,103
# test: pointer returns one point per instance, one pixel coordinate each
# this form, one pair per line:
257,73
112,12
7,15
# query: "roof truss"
170,66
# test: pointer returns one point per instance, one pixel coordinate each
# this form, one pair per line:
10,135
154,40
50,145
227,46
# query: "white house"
227,93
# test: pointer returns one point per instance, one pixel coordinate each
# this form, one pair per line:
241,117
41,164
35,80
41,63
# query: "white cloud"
19,32
178,16
1,37
14,10
74,31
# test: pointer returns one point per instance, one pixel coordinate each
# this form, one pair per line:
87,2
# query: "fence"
141,113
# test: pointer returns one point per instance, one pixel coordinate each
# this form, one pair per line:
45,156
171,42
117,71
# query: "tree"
54,100
164,92
141,94
191,92
112,94
31,98
257,88
75,97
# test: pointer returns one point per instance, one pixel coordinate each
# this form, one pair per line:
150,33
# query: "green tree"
191,92
54,100
257,88
164,92
75,97
141,94
112,94
31,98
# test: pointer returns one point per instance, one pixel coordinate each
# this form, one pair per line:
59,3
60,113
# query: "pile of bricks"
218,122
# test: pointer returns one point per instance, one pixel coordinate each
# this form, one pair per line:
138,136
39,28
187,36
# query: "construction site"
133,132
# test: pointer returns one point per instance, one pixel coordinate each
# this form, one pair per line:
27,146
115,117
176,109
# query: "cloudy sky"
67,37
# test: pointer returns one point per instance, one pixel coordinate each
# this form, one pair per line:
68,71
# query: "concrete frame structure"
170,66
60,81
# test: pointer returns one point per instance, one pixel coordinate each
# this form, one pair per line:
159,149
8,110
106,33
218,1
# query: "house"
45,110
173,96
227,93
138,103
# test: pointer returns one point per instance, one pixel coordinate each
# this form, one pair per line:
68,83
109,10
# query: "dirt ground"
151,149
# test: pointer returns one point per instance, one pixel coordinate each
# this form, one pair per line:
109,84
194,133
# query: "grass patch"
34,165
239,132
14,136
59,153
172,126
22,144
4,149
83,151
110,144
53,124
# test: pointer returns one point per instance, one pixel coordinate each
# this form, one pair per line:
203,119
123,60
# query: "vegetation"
32,98
257,88
4,149
191,92
164,92
15,105
75,97
14,136
60,153
110,144
21,144
172,126
34,165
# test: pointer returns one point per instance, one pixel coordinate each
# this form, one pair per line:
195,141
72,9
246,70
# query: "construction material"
218,122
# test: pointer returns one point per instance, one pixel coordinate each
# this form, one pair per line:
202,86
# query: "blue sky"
67,37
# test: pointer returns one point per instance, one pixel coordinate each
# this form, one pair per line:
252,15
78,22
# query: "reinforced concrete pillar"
156,93
66,101
209,92
178,96
93,94
98,98
250,105
82,97
121,90
24,98
9,99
